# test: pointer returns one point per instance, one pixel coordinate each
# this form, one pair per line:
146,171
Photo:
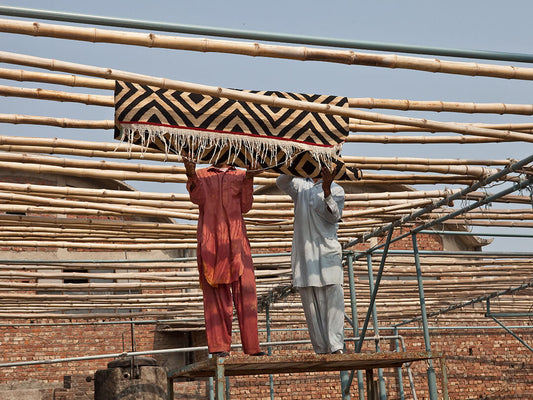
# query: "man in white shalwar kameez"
316,257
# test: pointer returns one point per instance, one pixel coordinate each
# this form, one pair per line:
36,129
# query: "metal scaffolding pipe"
458,195
355,322
381,380
432,380
453,253
461,233
162,351
470,302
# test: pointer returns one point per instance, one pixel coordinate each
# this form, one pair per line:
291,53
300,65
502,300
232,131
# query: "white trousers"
324,313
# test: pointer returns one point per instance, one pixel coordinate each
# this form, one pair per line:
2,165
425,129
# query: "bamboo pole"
88,222
252,97
123,246
94,173
442,106
423,161
60,79
380,127
100,193
492,223
59,122
103,210
102,165
43,94
125,155
79,144
358,138
301,53
471,171
179,178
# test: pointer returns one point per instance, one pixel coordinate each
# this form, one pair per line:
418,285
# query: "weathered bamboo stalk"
358,138
423,161
442,106
262,50
60,79
87,222
103,165
43,94
493,223
79,144
470,171
122,246
125,155
100,193
94,173
101,211
378,127
262,99
59,122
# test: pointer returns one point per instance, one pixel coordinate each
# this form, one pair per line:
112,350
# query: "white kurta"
316,255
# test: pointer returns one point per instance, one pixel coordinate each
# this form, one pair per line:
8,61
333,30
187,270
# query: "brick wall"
481,363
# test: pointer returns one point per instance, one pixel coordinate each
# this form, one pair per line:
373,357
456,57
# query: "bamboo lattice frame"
46,216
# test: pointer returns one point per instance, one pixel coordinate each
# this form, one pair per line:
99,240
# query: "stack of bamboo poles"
48,217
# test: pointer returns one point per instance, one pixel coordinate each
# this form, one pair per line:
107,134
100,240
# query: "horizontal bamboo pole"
125,155
89,192
492,223
252,97
472,171
123,246
433,167
460,139
405,105
87,222
382,128
103,165
150,276
96,316
59,79
79,144
44,94
423,161
59,122
151,40
442,106
94,173
499,108
171,169
179,178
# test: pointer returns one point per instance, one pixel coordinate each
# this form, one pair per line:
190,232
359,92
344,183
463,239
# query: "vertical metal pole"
170,388
444,370
382,388
355,322
211,388
432,381
399,369
375,292
269,348
220,380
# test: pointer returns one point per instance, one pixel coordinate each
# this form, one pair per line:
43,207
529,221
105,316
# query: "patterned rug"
210,129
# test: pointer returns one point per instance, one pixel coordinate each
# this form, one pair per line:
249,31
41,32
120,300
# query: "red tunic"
223,246
224,256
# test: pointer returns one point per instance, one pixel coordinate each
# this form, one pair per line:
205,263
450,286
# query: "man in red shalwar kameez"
223,193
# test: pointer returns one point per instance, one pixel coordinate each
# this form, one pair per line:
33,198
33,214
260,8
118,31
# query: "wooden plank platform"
250,365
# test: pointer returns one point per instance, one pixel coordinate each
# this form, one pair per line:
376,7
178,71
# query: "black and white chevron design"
211,129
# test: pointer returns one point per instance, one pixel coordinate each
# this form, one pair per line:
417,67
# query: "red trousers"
218,312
